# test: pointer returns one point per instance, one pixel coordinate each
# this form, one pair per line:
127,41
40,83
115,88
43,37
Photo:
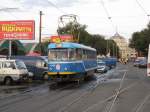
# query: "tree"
96,41
140,40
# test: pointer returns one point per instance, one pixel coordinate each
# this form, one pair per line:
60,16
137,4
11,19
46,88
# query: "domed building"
124,50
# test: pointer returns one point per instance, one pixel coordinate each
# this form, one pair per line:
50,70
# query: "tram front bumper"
61,73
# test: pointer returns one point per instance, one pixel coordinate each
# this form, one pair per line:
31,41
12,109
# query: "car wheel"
8,81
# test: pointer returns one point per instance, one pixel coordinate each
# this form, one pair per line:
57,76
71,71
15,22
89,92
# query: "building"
124,50
17,47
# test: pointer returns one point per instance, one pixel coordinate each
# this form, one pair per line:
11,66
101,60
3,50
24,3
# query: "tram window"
87,54
58,54
78,54
84,54
51,55
63,55
72,54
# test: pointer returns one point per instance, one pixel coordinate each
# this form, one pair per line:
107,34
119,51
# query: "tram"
70,61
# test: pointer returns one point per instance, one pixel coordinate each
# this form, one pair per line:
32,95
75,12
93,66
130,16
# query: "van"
35,64
13,70
148,63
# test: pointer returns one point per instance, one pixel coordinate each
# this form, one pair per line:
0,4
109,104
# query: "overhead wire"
9,11
52,4
143,9
107,14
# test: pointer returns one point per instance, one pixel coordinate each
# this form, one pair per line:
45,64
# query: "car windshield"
61,54
137,60
20,65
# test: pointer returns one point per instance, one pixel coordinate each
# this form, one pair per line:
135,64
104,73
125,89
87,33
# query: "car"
101,67
143,63
13,71
136,63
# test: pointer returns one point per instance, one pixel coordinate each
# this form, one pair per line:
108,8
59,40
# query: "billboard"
19,29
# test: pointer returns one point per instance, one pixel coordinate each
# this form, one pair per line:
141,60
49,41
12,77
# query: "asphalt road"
123,89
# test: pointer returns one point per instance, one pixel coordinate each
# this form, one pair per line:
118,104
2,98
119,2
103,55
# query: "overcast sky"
127,16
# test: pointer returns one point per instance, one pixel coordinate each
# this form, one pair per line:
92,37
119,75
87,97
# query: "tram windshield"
61,54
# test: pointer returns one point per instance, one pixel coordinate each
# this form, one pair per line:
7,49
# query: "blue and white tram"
70,61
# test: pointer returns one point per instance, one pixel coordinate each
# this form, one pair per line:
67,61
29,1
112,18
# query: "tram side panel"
66,70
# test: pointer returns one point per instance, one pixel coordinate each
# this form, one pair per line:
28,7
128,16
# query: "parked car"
13,70
101,67
136,63
143,63
35,64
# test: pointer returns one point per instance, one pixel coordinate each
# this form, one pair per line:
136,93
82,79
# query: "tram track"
110,101
32,88
90,87
112,97
25,95
140,105
89,109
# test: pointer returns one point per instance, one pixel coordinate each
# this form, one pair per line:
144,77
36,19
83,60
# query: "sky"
126,16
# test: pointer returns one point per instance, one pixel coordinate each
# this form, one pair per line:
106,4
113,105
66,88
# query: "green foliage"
45,48
140,40
96,41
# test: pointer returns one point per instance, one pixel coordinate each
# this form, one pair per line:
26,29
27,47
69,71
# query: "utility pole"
107,47
10,46
40,30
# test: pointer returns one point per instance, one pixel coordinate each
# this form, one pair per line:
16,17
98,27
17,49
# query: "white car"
101,67
13,70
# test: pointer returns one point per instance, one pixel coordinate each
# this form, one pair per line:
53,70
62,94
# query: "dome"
117,36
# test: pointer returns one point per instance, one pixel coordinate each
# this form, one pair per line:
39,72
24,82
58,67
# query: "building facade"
124,50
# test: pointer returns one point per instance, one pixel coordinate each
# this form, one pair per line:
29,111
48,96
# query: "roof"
69,45
4,44
30,47
10,60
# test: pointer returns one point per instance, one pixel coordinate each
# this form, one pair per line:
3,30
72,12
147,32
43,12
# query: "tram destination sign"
19,30
61,38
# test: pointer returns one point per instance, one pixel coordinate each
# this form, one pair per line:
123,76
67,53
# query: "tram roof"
69,45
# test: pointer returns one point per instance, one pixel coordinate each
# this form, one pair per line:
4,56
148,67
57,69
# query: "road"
123,89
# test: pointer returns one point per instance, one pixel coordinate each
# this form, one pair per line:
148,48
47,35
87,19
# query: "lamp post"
40,30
